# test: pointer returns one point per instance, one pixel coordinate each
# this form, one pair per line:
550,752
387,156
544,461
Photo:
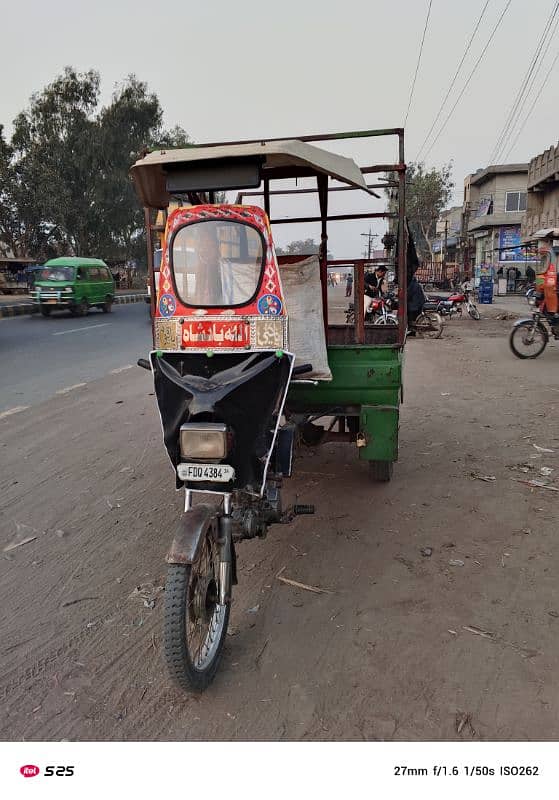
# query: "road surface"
459,644
41,356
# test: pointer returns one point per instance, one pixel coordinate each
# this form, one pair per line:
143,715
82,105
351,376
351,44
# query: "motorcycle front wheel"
528,340
195,623
473,312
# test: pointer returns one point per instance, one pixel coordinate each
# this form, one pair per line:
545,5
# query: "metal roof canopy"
237,166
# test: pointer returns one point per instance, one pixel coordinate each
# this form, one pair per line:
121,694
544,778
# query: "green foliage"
303,246
428,192
64,182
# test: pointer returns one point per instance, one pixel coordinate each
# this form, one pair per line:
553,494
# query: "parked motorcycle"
454,304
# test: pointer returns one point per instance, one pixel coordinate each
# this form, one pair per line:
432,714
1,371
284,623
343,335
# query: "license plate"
51,301
218,473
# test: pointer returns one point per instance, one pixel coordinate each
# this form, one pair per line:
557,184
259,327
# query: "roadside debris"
13,545
486,478
77,600
537,484
254,609
426,551
542,449
305,586
478,631
456,562
463,720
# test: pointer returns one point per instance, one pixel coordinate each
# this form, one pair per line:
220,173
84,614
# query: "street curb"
30,308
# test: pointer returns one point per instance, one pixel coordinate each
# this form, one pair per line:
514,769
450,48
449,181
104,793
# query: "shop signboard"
510,247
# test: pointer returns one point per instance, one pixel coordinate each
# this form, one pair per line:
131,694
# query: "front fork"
225,545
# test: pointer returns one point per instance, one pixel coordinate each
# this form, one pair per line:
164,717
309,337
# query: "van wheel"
107,305
45,311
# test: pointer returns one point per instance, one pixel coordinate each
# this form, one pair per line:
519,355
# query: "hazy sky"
227,70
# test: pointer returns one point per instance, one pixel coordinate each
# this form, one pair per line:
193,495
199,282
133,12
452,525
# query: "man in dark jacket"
416,301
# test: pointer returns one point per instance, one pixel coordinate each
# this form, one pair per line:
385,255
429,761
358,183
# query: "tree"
303,246
64,177
428,192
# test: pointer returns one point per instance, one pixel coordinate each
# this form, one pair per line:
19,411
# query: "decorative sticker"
166,334
167,305
270,305
269,334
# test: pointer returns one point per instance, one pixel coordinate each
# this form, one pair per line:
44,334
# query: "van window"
93,273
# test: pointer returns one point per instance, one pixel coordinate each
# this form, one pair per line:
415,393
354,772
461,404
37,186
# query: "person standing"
349,284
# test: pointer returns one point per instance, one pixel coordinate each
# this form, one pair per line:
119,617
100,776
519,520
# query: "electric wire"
536,98
520,94
418,62
527,95
453,81
470,76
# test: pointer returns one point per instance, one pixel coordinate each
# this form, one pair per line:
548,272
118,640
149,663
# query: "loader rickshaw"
246,361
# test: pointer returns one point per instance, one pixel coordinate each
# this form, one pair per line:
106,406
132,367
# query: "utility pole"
370,236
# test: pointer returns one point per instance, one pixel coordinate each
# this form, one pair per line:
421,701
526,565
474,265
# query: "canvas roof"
290,158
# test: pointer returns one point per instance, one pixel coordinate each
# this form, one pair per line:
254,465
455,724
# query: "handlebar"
144,363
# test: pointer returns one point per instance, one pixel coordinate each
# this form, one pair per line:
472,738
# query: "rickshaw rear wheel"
381,471
195,624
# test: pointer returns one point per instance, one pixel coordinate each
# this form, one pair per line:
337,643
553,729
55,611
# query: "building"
494,209
542,212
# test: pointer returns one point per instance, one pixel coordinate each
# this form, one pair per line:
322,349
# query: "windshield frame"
170,249
70,279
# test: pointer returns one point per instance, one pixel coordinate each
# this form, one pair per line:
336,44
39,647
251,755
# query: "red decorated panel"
258,324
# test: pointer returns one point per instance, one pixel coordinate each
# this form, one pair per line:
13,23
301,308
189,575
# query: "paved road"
41,357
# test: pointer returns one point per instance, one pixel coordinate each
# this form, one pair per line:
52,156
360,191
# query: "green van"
76,284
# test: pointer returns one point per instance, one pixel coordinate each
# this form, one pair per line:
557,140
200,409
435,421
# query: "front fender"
194,525
524,321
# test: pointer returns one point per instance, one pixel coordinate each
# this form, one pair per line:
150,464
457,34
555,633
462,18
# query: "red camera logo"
29,771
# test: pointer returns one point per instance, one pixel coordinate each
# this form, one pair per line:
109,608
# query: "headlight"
204,440
68,289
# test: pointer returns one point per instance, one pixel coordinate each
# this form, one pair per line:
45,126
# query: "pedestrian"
530,274
416,300
349,284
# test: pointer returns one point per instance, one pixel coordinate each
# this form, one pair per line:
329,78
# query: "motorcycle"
530,335
455,304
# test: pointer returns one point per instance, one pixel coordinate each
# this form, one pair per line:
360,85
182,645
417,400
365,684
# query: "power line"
418,62
527,93
536,98
470,76
519,95
450,88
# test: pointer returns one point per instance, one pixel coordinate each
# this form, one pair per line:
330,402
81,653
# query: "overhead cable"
529,88
536,98
453,81
469,78
522,89
418,62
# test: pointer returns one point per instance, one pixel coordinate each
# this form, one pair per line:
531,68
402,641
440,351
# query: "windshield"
56,274
217,263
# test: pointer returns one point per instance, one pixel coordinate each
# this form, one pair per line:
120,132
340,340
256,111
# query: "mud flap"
379,425
188,539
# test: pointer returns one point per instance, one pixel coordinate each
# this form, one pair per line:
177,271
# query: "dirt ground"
459,644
